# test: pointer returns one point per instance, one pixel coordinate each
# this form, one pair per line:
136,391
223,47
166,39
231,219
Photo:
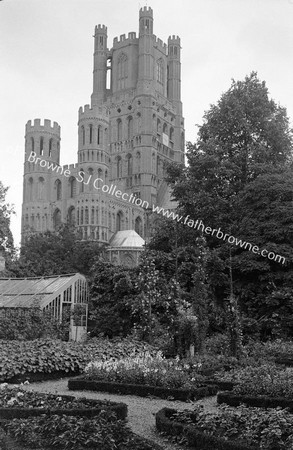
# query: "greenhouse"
56,294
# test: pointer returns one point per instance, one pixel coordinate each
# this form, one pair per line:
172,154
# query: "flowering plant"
143,369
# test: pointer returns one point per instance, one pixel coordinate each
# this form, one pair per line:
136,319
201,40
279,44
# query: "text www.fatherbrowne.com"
98,183
218,233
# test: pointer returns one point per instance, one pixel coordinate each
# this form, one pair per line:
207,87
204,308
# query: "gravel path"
141,410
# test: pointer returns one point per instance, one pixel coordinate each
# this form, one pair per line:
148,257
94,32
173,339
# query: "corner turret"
100,65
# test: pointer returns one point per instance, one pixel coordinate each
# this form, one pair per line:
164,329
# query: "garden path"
141,410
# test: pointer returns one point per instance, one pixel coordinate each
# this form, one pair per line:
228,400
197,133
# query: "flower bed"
265,380
104,432
142,390
264,386
144,369
261,401
18,403
229,428
143,375
20,360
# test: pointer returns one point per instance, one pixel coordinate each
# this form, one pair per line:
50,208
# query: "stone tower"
133,126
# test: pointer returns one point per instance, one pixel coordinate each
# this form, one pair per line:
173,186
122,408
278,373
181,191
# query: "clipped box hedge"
284,361
120,409
196,438
81,383
260,401
222,385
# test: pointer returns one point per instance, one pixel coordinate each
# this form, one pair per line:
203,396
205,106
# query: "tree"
54,253
110,288
244,135
6,238
265,218
245,141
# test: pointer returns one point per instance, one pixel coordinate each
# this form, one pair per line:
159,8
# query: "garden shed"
56,294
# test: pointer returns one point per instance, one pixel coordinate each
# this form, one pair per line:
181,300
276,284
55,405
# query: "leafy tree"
110,288
52,253
245,134
181,253
240,164
6,239
265,212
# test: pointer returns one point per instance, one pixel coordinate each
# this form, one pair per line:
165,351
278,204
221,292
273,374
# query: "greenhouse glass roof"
26,292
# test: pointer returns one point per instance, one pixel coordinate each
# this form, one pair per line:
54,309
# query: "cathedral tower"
42,147
126,136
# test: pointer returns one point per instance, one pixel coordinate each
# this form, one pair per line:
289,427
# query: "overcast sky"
46,49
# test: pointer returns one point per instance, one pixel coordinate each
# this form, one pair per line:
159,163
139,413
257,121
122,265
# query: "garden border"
260,401
80,384
222,385
196,438
284,361
41,376
120,409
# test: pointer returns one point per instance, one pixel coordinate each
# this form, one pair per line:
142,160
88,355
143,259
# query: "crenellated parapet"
146,11
46,126
71,167
160,45
100,29
96,112
123,40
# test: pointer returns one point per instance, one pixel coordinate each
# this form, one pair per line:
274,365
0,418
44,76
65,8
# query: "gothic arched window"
129,165
82,135
72,187
58,187
30,189
119,167
119,221
138,158
50,147
57,219
122,71
41,146
71,215
91,133
41,184
130,128
138,225
119,130
160,71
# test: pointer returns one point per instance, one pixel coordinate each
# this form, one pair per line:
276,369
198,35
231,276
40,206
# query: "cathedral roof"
127,238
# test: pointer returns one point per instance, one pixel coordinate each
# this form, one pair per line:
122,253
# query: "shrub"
270,350
267,429
143,369
47,356
208,365
104,432
265,380
32,323
218,344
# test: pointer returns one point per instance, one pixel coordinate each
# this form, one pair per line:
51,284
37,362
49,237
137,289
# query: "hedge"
42,376
80,384
284,361
222,385
261,401
196,438
120,409
20,358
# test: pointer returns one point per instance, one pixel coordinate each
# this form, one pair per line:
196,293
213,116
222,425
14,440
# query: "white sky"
46,49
